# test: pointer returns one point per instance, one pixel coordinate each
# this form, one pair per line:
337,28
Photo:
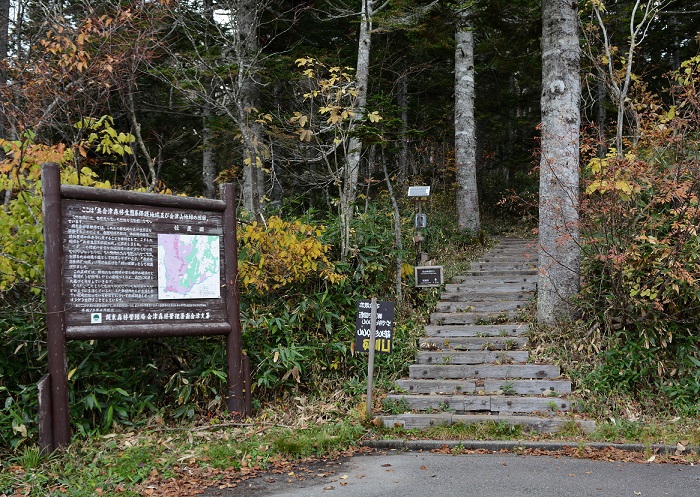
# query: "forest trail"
473,364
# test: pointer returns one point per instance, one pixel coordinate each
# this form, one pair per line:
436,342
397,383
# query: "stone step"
472,357
477,330
490,371
473,343
505,294
449,318
482,306
539,424
492,403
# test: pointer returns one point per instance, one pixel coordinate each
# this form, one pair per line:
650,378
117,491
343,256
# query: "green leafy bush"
642,254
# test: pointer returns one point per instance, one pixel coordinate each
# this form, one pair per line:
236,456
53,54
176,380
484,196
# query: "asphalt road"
425,474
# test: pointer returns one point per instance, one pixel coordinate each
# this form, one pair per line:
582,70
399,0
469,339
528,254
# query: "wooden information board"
122,264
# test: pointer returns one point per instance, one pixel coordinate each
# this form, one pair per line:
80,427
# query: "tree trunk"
559,181
403,147
247,48
351,173
208,164
398,242
601,114
4,42
465,128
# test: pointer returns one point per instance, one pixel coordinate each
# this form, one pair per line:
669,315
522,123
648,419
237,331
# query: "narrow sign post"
370,359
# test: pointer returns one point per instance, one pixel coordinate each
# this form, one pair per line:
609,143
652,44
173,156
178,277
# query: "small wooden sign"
428,276
383,339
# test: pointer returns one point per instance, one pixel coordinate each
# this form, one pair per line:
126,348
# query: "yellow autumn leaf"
623,186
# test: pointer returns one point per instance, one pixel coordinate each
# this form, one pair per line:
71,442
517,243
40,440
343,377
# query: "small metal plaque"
418,191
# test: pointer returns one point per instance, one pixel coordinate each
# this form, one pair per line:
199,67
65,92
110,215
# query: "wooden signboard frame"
101,268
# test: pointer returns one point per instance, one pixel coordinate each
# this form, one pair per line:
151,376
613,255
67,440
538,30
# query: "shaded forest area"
175,97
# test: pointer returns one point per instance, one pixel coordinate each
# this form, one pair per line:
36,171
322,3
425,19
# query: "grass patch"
315,441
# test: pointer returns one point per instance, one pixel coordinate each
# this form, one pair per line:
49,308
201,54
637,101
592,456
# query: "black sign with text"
427,276
383,338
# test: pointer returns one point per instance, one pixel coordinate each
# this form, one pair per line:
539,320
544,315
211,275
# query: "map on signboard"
188,267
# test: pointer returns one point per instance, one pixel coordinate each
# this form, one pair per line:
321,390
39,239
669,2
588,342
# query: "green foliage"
642,256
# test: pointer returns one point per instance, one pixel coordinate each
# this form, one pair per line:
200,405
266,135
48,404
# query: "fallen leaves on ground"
191,480
610,453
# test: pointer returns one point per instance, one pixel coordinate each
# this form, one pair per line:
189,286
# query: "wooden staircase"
473,364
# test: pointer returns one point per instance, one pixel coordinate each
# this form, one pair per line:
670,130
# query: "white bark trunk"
351,174
467,201
247,48
559,178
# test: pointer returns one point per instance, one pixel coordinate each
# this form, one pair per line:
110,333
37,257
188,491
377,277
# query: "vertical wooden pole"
45,417
53,260
370,356
248,394
234,343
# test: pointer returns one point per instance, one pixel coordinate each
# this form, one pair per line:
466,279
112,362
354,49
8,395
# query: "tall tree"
348,193
467,201
559,258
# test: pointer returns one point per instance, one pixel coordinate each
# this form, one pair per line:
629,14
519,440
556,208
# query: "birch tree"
467,201
351,174
616,70
559,258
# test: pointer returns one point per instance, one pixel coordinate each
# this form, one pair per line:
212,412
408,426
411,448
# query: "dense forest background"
176,97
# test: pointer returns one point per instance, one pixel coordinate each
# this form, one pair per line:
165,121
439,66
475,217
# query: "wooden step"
477,330
492,371
498,296
538,424
486,285
502,266
473,343
527,387
484,306
492,403
450,318
494,272
472,357
436,386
